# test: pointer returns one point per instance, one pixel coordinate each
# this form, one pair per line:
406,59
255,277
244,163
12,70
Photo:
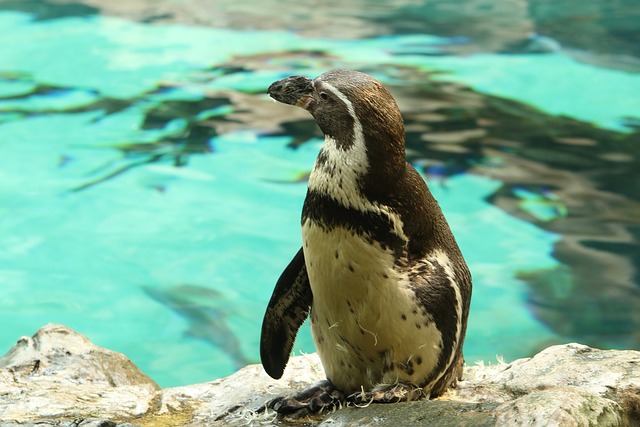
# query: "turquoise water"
151,192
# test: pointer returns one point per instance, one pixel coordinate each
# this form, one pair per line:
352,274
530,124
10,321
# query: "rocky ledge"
59,378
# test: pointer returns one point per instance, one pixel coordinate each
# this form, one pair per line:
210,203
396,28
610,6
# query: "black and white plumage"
379,272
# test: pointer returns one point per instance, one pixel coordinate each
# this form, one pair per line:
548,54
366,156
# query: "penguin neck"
352,175
387,164
340,170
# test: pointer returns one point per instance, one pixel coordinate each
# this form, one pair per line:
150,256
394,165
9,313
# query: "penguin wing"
287,310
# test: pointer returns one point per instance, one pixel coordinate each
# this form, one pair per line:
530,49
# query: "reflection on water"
577,183
581,183
598,32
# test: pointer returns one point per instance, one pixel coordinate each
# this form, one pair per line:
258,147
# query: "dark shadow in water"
43,10
203,308
192,137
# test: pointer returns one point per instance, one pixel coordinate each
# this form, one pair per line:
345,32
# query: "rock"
237,398
60,373
79,422
571,384
59,378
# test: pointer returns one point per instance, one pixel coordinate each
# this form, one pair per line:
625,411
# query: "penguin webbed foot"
320,397
388,393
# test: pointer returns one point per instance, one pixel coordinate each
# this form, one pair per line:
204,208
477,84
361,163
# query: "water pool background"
150,193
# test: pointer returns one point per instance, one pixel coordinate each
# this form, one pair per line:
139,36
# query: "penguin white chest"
366,323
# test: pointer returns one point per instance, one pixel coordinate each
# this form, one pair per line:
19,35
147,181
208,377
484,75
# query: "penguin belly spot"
366,322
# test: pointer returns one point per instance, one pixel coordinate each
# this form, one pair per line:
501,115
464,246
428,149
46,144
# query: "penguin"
379,272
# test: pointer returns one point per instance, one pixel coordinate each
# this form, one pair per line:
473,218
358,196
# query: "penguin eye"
324,96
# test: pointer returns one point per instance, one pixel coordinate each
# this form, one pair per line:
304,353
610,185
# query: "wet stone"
442,414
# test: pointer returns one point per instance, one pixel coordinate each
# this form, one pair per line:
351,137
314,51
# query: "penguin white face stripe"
357,161
342,97
339,175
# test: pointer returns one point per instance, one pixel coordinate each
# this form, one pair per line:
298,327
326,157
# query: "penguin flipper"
287,310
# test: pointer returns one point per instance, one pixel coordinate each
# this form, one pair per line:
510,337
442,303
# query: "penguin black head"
348,105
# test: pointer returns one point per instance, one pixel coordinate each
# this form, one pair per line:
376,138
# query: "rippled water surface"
150,192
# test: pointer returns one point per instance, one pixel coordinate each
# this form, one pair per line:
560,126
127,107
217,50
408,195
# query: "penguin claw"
392,393
318,398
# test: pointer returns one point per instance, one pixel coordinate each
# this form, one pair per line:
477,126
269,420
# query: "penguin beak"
294,90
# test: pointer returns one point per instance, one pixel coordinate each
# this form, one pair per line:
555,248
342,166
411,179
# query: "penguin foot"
388,393
317,398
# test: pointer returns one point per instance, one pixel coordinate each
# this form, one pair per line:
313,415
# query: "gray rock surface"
60,373
59,378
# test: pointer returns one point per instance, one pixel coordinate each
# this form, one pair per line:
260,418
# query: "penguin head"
344,104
